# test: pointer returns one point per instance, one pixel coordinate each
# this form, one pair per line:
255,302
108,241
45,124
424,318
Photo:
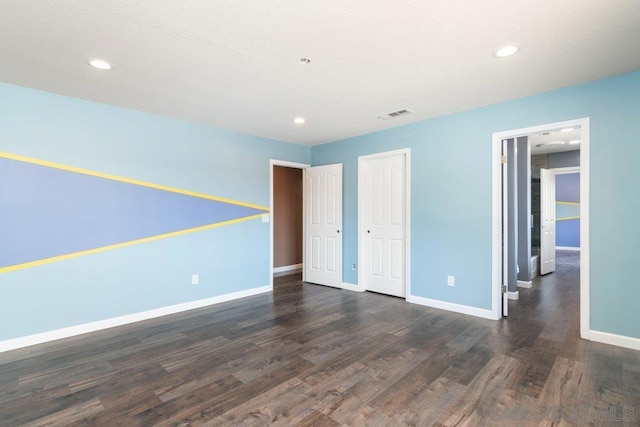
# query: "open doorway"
555,196
516,262
287,220
287,238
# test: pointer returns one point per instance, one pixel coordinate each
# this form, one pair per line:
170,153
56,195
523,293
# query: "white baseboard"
613,339
568,248
351,287
457,308
523,284
57,334
294,268
513,295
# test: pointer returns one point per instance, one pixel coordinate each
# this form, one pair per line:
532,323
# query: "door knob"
338,231
368,231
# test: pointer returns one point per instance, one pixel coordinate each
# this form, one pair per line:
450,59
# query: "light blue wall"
451,194
153,149
451,202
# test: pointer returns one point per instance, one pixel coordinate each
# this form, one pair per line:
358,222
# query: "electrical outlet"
451,281
353,267
195,279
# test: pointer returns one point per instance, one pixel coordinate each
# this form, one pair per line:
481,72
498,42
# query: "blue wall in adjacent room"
567,209
148,148
451,194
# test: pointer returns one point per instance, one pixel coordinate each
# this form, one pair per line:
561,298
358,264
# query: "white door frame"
407,212
496,190
287,164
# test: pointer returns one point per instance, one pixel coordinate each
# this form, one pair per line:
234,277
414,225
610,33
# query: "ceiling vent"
394,114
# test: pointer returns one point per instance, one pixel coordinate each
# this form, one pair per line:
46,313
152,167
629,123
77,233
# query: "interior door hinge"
503,159
504,289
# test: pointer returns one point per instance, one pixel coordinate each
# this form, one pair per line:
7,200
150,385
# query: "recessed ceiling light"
574,142
100,64
299,120
566,130
506,51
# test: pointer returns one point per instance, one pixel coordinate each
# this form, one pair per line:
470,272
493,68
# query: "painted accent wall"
451,194
451,202
568,210
147,148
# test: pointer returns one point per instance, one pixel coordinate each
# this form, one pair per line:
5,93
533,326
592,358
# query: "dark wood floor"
311,355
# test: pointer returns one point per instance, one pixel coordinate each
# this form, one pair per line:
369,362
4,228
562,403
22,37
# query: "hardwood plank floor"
310,355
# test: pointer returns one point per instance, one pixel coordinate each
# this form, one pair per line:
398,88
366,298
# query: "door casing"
287,164
497,194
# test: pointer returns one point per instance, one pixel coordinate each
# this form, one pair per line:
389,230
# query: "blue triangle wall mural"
50,212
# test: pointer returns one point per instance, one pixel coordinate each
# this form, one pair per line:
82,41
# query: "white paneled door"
548,221
323,225
383,223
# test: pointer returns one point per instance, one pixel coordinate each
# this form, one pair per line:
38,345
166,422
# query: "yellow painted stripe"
568,203
127,180
124,244
567,217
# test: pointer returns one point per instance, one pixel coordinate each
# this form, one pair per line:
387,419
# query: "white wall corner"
457,308
523,284
613,339
513,295
85,328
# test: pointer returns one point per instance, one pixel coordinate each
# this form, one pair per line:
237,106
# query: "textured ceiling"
235,64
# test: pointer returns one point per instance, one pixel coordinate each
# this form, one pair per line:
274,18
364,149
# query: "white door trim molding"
496,191
272,163
361,194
